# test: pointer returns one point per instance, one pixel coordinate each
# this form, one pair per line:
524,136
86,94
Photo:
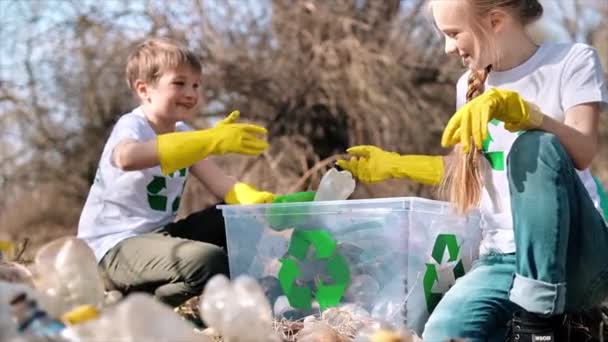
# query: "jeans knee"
533,150
529,146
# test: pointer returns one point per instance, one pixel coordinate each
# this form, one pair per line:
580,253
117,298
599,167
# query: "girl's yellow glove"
472,119
371,164
182,149
242,193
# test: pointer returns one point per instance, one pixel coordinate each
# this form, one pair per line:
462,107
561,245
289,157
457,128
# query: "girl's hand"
472,119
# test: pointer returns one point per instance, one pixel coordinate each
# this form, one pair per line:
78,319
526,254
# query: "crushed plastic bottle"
216,298
347,318
112,297
363,289
32,320
8,327
386,334
13,272
335,185
239,311
66,270
139,317
318,331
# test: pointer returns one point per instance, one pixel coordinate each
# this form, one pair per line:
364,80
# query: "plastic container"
374,253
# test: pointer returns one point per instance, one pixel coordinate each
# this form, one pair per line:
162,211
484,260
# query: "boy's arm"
129,155
173,151
213,177
228,187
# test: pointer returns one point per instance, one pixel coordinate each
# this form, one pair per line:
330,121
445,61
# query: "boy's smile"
174,97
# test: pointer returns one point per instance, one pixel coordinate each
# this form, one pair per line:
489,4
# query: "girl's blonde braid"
462,182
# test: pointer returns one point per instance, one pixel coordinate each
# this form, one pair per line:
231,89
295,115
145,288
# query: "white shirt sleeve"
129,127
583,79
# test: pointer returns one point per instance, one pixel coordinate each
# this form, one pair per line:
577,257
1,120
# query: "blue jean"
561,259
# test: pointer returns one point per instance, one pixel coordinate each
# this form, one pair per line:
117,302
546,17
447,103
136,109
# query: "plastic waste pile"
238,311
61,297
232,308
139,317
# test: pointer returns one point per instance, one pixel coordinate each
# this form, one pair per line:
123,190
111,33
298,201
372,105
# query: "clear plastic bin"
392,257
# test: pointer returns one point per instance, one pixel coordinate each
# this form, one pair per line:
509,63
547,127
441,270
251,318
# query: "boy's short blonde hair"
156,55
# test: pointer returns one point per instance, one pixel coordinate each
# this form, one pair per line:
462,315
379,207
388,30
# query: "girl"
529,139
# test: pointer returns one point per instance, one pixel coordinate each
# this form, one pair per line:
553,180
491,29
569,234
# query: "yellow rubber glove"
472,119
242,193
183,149
371,164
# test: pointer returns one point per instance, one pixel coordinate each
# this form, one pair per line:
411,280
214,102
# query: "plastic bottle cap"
80,314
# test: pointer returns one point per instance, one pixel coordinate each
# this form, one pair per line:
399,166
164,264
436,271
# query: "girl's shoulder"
568,52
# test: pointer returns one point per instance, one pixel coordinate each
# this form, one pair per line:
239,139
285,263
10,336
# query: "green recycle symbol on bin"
443,242
327,294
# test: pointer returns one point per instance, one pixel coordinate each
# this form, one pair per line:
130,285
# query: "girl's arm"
578,134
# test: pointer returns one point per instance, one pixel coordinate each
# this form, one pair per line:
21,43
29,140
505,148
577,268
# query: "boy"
128,217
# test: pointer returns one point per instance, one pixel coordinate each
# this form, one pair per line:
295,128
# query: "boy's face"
175,95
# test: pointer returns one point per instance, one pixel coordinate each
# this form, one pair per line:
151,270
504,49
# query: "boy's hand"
242,193
371,164
232,137
471,121
183,149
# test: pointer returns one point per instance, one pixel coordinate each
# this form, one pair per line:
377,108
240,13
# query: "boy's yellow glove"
472,119
371,164
183,149
242,193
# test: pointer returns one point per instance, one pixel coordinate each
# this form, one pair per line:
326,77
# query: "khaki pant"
173,264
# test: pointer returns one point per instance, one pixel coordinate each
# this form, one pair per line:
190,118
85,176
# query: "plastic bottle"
238,310
31,320
335,186
67,271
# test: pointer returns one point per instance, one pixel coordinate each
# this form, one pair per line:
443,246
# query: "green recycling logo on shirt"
327,294
497,143
443,243
156,198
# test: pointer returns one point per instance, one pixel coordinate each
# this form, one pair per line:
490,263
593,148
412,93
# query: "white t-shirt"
556,78
123,204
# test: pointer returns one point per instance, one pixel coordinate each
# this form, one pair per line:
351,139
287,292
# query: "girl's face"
454,18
